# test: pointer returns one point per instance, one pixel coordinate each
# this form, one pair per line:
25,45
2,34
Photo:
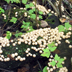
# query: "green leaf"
53,63
33,9
46,53
52,46
30,11
22,26
31,5
56,57
24,22
40,17
7,1
61,60
12,1
45,69
67,25
40,12
13,20
49,14
1,10
33,16
17,1
8,35
25,25
31,29
24,1
39,71
18,34
61,28
59,65
27,6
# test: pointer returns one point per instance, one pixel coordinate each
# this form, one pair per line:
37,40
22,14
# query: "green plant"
65,27
8,1
18,34
27,18
1,10
45,69
8,35
51,48
59,61
22,45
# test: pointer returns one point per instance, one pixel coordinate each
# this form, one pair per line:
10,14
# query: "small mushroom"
44,24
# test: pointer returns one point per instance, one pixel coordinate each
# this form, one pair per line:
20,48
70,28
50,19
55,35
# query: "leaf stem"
36,13
53,6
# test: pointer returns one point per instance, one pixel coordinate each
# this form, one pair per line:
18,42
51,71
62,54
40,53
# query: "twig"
39,66
68,13
19,23
14,5
53,6
6,70
8,18
59,6
12,25
36,13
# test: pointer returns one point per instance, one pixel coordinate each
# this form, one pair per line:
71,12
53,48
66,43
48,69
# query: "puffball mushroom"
43,24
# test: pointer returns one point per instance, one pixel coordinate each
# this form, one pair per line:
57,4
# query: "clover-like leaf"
52,47
40,17
40,12
31,5
31,29
18,34
61,60
1,10
24,22
8,35
30,11
45,69
61,28
17,1
25,25
53,63
46,53
51,44
67,25
22,26
59,65
33,16
7,1
27,6
33,9
13,20
56,57
24,1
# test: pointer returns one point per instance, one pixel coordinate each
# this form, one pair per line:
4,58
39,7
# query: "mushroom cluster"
50,67
40,37
63,69
48,36
3,42
43,9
